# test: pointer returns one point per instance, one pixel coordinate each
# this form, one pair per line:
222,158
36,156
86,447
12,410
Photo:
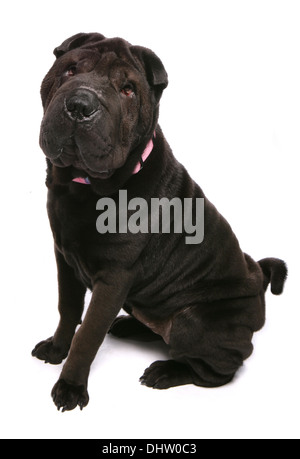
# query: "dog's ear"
76,41
155,71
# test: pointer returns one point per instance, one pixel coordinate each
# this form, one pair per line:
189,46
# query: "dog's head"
100,102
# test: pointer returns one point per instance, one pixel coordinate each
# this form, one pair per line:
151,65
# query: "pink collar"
138,167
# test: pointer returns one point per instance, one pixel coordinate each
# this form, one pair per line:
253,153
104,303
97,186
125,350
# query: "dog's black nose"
81,104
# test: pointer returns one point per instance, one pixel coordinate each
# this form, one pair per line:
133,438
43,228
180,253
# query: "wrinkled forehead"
102,58
91,41
116,47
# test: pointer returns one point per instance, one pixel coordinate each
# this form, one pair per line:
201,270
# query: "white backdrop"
232,115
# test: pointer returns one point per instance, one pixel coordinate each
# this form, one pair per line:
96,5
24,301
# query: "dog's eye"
71,71
127,90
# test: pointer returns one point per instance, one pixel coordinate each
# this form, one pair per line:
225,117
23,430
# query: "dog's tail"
275,272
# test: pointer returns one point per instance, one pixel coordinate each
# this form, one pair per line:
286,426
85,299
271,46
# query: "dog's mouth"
106,174
79,171
71,157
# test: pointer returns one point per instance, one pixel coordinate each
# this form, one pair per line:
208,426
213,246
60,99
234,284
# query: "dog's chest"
73,226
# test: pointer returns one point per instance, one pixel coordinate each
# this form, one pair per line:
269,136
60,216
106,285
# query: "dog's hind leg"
207,351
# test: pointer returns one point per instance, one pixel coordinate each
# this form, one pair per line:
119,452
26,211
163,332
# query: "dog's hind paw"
165,374
45,350
68,396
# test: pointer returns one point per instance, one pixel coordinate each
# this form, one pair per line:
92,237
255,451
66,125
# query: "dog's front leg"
107,299
70,305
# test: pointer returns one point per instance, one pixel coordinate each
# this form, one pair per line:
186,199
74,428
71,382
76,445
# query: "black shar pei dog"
176,268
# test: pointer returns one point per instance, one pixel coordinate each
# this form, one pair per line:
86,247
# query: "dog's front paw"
45,350
68,396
